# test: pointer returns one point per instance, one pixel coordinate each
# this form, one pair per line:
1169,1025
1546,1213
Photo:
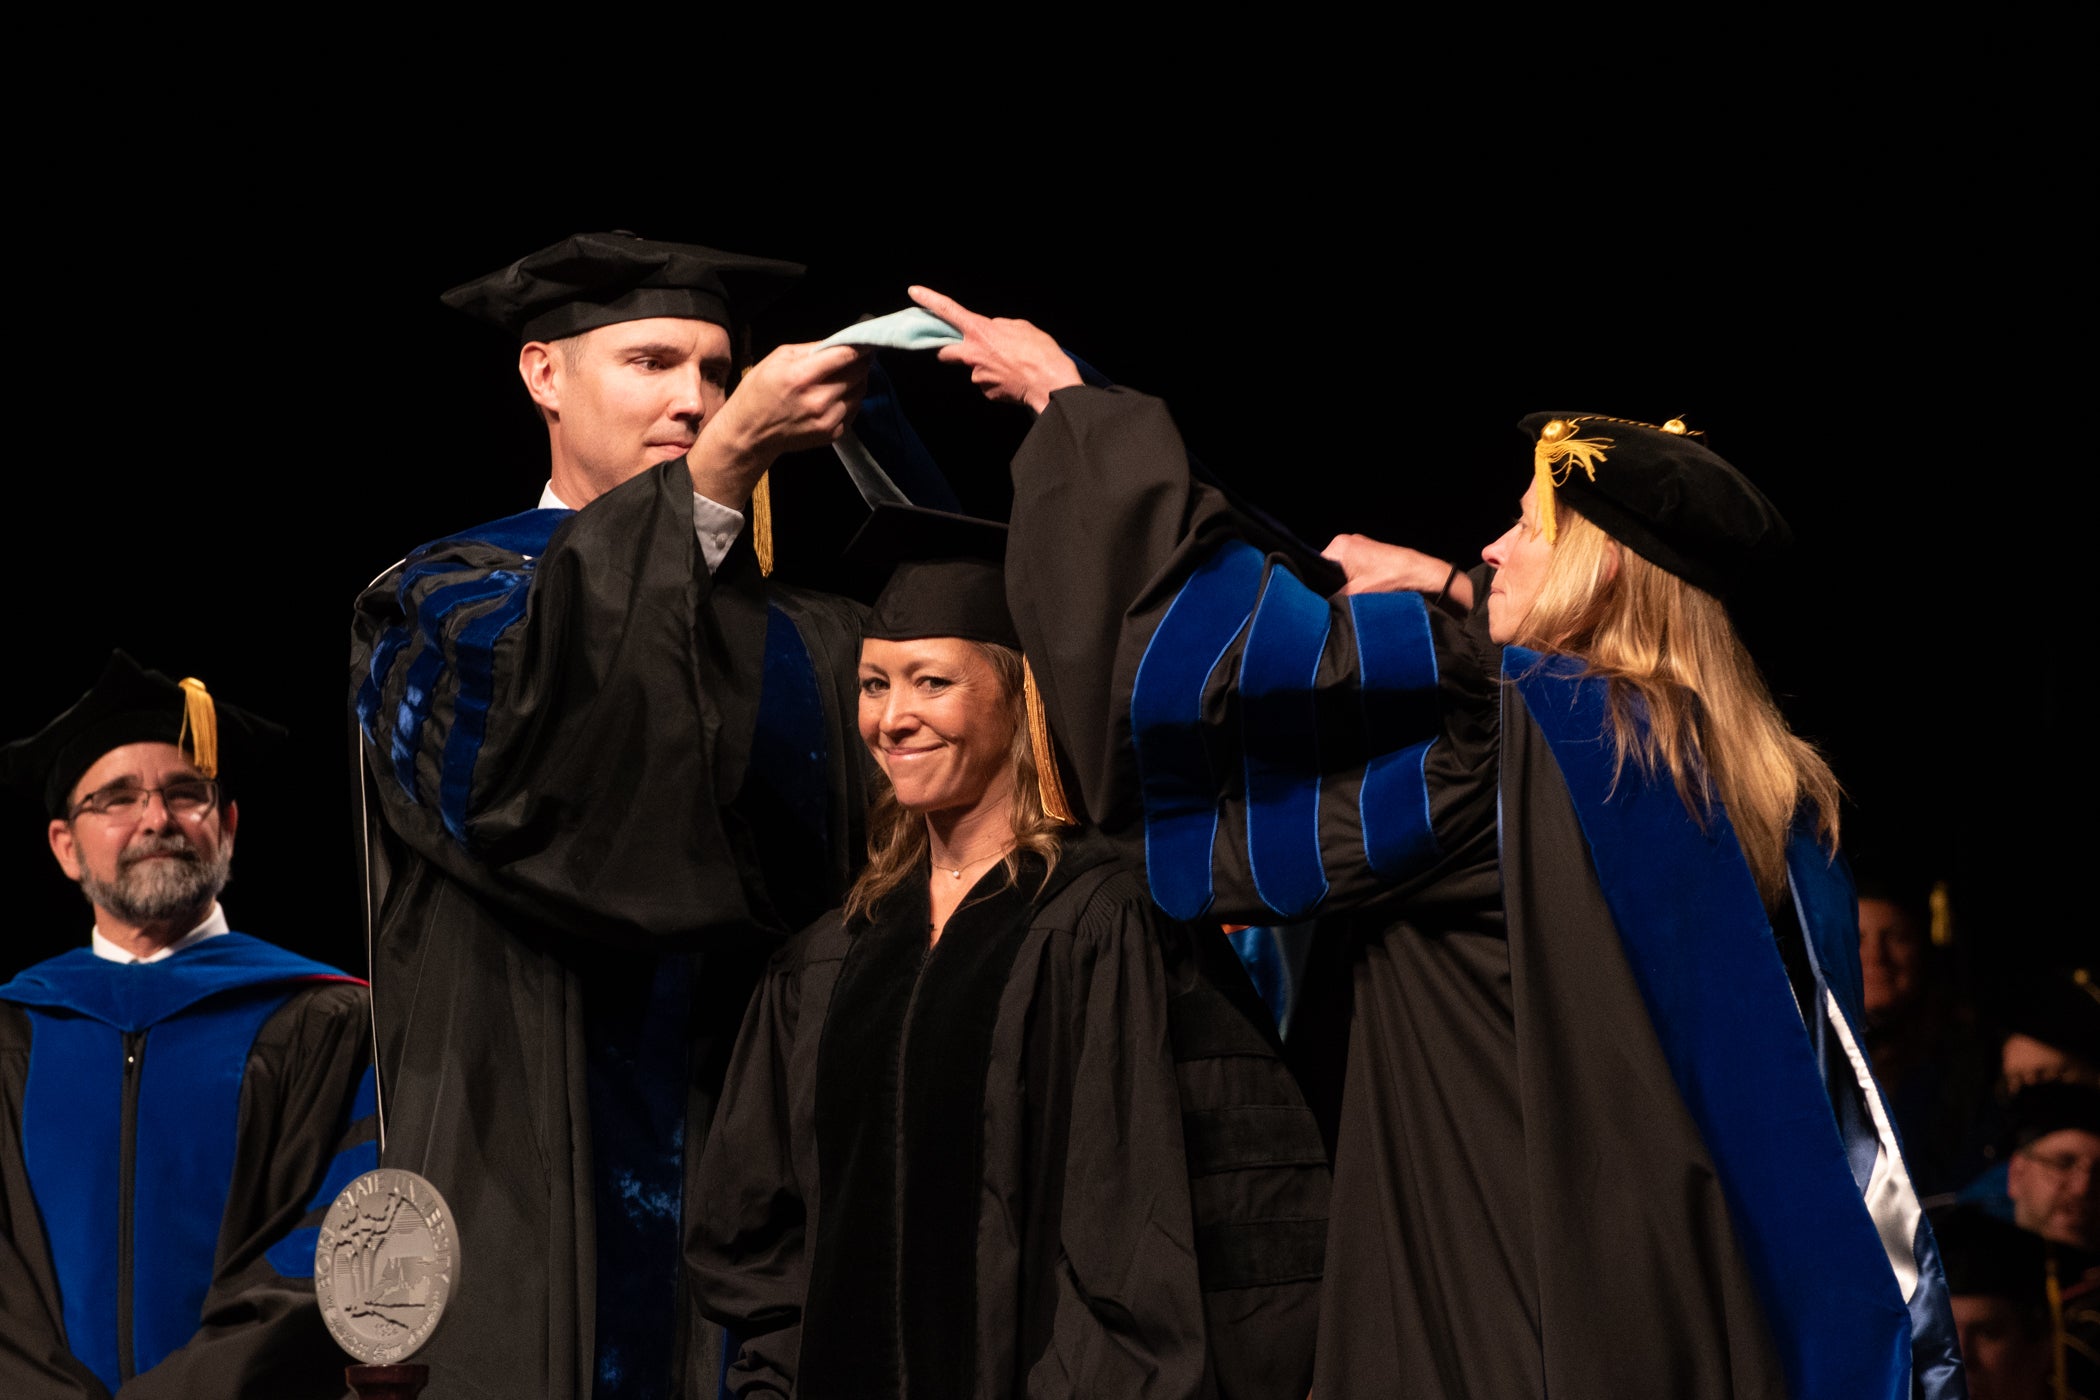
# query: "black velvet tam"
1670,499
127,705
2060,1007
1987,1256
2053,1106
947,575
590,280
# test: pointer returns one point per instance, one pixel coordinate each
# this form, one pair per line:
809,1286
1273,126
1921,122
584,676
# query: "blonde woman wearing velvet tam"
996,1127
1585,1016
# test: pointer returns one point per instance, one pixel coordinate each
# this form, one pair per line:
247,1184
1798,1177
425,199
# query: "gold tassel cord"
762,523
761,494
1050,788
200,725
1557,455
2053,1290
1942,915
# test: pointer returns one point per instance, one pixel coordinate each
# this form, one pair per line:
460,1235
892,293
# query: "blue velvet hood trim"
183,1129
1703,954
133,996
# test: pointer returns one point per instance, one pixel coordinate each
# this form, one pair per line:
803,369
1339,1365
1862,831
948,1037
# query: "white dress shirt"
213,925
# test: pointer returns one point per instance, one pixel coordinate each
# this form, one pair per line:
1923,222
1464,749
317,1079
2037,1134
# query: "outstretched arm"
1273,735
1374,567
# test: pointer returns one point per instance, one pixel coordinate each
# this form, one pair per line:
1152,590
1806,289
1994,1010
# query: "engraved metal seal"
385,1263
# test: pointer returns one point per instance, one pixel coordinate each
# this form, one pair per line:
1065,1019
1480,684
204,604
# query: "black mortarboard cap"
1987,1256
2052,1106
2060,1008
590,280
131,705
1659,491
947,575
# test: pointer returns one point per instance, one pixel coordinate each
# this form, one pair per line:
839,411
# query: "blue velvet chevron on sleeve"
1257,706
453,616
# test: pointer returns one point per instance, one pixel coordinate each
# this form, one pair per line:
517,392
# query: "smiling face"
941,722
622,398
1521,557
144,865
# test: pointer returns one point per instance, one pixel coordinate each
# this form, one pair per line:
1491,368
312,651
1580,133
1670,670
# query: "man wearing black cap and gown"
1600,1117
178,1102
2052,1185
606,763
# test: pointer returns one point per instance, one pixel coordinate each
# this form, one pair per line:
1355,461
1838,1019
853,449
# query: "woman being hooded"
997,1126
1583,1021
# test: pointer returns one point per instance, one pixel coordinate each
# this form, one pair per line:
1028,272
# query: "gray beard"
155,891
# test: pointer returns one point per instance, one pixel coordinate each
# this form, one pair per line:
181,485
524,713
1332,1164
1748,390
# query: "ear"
228,820
539,366
61,834
1611,560
2017,1172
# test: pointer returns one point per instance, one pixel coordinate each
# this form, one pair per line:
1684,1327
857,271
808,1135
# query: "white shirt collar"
550,501
212,927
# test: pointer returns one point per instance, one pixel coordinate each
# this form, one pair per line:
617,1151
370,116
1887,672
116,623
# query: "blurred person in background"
1932,1059
1996,1277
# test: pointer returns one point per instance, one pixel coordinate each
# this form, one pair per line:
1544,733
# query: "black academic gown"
1584,1143
171,1134
1051,1156
600,785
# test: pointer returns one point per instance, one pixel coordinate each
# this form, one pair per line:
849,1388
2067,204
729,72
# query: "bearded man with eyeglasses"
179,1103
154,858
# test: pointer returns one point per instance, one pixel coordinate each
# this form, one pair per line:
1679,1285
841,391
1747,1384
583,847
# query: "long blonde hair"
1684,694
897,842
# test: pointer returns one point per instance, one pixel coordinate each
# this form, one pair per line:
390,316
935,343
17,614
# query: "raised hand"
1011,361
799,396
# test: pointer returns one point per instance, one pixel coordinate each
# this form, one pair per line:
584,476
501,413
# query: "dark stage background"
247,422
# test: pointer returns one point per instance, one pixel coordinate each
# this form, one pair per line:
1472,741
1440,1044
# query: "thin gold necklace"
954,872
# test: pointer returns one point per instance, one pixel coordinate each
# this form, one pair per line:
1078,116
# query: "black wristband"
1449,578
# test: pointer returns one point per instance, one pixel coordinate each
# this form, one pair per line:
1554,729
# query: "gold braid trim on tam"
200,725
1049,786
1558,453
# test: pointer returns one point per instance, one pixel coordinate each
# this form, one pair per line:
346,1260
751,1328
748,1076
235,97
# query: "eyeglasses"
2064,1163
192,799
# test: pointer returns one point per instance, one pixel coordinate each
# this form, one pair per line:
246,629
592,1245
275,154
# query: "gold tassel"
762,493
200,725
1557,454
1942,915
1542,477
762,523
1050,788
